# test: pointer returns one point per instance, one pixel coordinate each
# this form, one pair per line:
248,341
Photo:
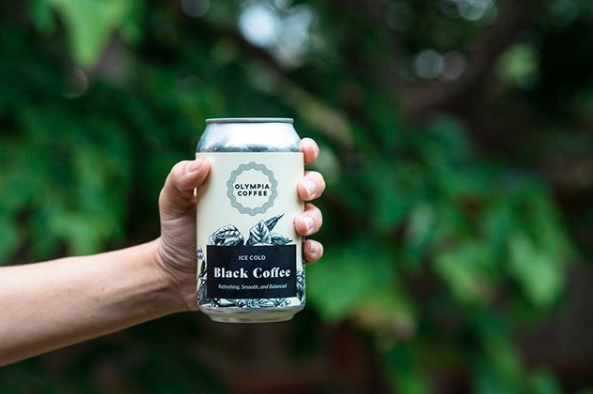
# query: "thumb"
177,196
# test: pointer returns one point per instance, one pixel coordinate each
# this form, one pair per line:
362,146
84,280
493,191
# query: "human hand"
176,251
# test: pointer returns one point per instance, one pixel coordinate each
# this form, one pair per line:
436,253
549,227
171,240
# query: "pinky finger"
312,250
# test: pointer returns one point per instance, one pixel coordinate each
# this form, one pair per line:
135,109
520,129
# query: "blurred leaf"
390,192
544,383
42,15
346,277
446,139
91,23
467,270
540,275
491,383
84,233
386,310
496,225
501,370
9,238
402,371
422,226
519,65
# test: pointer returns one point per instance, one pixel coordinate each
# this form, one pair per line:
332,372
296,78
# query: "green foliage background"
454,210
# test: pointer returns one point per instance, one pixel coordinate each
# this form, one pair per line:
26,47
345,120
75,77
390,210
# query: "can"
250,264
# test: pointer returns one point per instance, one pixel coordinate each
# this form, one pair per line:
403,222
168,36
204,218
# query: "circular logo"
252,188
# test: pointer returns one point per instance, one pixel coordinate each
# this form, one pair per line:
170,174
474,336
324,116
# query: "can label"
251,271
249,254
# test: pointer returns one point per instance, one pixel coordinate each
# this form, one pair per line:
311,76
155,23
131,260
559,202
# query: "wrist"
180,286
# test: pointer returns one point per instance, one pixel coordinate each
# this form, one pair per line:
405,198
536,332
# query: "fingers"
177,196
310,150
312,250
310,221
311,186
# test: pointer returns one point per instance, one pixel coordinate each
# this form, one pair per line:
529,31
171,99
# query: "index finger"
310,150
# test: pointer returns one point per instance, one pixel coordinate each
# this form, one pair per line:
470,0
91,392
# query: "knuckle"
316,214
320,251
310,149
163,199
175,175
314,251
178,169
319,180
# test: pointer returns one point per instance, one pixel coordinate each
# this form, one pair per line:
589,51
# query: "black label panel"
251,271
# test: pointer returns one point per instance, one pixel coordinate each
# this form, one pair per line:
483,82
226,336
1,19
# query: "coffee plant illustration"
259,235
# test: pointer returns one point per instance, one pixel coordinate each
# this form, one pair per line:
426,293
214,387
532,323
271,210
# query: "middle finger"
310,221
311,186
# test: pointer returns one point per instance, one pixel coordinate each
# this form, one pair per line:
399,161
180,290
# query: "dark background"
457,140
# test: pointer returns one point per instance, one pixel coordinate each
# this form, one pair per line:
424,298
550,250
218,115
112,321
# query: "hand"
176,252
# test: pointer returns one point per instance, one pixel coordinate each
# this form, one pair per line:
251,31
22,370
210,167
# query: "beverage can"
250,264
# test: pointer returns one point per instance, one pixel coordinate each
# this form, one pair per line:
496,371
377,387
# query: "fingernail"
310,186
309,222
313,247
195,165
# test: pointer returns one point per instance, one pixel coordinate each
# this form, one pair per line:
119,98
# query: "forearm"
54,304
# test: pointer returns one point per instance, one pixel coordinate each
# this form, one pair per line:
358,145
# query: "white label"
249,253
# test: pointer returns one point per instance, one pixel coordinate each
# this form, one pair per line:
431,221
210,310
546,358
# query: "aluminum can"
250,264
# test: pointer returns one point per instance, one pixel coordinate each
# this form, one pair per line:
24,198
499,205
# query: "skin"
49,305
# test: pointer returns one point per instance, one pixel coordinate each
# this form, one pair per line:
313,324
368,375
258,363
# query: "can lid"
249,120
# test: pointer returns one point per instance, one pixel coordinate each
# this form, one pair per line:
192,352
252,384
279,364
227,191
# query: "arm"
50,305
54,304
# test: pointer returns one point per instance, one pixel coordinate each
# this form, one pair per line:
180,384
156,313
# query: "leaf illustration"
281,302
227,235
300,279
261,303
202,299
271,222
203,284
259,234
227,303
202,274
279,239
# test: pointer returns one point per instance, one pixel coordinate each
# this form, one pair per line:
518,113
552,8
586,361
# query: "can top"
249,120
249,135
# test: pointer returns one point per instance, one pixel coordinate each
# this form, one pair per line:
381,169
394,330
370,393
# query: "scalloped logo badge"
252,188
